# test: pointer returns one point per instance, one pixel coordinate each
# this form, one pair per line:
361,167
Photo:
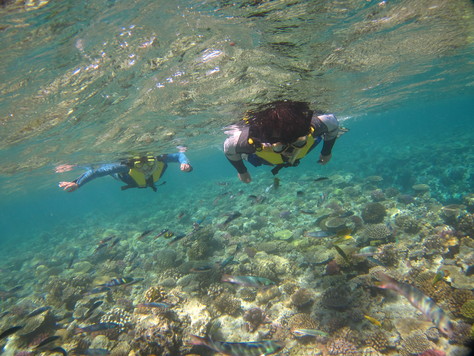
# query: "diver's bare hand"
324,159
245,177
68,186
186,167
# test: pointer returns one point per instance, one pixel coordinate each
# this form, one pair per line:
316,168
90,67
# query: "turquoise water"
87,83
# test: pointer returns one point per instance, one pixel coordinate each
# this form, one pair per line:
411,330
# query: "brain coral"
373,213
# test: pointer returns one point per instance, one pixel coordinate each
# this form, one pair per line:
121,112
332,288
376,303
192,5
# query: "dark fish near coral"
144,234
37,312
93,307
4,313
342,253
258,348
319,179
97,327
231,217
89,352
318,234
248,281
73,259
10,331
307,212
124,281
276,183
47,342
420,301
58,350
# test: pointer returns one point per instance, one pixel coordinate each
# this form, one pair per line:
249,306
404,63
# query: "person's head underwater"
145,164
282,122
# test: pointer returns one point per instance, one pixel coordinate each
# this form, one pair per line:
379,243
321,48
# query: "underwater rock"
254,318
302,321
373,213
466,225
101,342
283,235
118,316
83,267
266,295
302,297
407,224
337,297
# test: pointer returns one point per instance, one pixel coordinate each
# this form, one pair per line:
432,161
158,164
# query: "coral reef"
302,297
374,234
373,213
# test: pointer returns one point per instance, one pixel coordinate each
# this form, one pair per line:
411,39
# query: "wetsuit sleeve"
235,145
326,126
179,157
103,170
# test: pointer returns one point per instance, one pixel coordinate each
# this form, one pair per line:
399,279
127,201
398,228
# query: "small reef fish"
161,305
318,234
4,313
373,320
307,212
343,238
258,348
89,352
319,179
439,276
229,260
37,312
201,269
248,281
10,331
161,233
420,301
97,290
366,251
375,261
144,234
96,327
177,238
73,259
47,341
308,332
276,183
231,217
342,253
124,281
